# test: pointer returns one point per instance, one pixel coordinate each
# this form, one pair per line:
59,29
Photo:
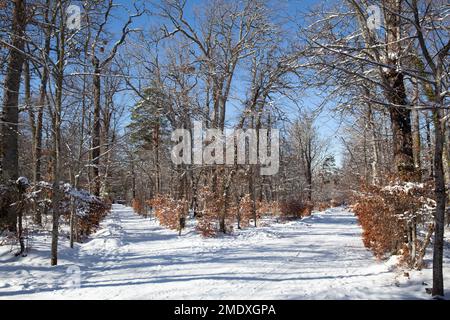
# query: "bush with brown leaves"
271,208
170,213
391,218
212,206
139,207
294,208
244,211
90,221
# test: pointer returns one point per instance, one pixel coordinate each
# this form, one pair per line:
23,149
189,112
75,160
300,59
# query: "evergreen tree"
148,119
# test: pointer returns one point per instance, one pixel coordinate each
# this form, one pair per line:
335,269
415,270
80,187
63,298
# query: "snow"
23,181
131,257
405,187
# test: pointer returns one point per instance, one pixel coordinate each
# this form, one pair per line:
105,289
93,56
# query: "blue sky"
327,123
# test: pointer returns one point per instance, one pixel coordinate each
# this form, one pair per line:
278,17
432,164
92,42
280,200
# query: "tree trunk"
37,148
429,146
10,114
251,190
374,146
416,133
438,278
447,160
402,135
423,248
27,92
37,137
309,183
446,156
396,94
73,215
56,193
157,158
96,129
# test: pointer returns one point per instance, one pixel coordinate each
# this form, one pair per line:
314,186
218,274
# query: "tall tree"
435,55
56,118
366,55
99,64
10,112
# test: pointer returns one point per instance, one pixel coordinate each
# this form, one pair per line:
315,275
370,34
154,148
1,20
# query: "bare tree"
309,149
435,56
56,117
10,111
377,61
99,64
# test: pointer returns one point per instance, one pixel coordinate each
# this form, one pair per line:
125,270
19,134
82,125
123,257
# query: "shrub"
90,210
211,208
36,200
89,218
139,207
170,213
294,208
322,206
244,211
383,232
268,208
216,214
391,216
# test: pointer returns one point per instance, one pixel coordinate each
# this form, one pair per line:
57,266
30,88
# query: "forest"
215,119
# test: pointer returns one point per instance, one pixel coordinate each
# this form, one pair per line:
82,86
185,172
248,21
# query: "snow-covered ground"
130,257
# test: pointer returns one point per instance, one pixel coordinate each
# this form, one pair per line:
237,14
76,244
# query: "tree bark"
10,114
374,146
73,215
96,128
429,146
56,192
416,133
438,278
396,94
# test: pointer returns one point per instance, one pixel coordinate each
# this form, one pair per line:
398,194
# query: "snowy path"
320,257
